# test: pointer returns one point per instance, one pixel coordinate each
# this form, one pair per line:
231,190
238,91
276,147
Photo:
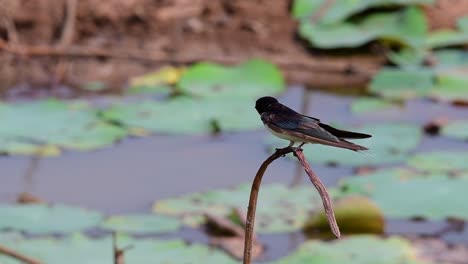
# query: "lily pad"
160,81
249,80
457,129
29,127
366,105
390,143
354,214
340,10
402,84
142,223
186,116
79,249
43,219
449,37
354,250
407,27
451,87
440,161
402,193
279,209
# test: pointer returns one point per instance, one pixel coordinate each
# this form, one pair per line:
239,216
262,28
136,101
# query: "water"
130,176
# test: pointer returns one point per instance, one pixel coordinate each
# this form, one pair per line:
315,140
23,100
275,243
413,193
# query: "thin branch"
18,256
250,221
322,190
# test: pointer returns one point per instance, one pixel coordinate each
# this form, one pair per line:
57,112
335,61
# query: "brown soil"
54,42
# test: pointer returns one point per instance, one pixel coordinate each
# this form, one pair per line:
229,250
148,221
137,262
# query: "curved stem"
250,221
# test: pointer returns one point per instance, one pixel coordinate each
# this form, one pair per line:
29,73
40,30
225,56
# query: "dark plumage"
286,123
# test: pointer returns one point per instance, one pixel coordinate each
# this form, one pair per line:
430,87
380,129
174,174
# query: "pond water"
130,176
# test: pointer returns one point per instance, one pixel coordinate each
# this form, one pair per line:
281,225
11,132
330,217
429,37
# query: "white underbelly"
283,136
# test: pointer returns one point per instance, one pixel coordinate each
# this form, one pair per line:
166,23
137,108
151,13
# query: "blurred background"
136,118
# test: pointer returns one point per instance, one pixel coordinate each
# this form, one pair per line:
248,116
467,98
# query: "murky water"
131,175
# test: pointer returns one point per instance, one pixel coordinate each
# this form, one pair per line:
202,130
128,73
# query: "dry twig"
250,222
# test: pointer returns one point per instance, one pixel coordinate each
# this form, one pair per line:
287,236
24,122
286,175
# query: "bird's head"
264,103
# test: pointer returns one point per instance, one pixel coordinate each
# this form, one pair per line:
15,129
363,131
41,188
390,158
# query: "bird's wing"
298,124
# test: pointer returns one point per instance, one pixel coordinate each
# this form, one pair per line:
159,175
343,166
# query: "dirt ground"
47,43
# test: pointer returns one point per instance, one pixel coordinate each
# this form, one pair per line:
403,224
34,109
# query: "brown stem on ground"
18,256
250,221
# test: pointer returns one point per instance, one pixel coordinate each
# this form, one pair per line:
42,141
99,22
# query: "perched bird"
288,124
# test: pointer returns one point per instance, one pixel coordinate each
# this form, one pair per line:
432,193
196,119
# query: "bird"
288,124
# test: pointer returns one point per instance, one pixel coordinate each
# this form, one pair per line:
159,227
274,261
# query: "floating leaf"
340,10
279,208
354,214
401,84
390,143
186,116
451,87
32,128
406,194
440,161
79,249
365,105
141,223
158,81
354,250
449,37
42,219
249,80
457,129
407,27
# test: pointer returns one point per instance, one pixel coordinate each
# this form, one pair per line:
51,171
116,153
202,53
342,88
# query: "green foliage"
28,127
369,104
407,27
406,194
44,219
402,84
249,80
354,250
280,209
440,161
141,224
457,129
79,249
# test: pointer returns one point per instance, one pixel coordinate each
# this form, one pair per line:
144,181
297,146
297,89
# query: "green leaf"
354,250
406,194
456,129
79,249
369,104
141,223
449,37
451,87
249,80
154,82
390,143
43,219
279,208
354,215
407,27
28,127
402,84
187,116
340,10
440,161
